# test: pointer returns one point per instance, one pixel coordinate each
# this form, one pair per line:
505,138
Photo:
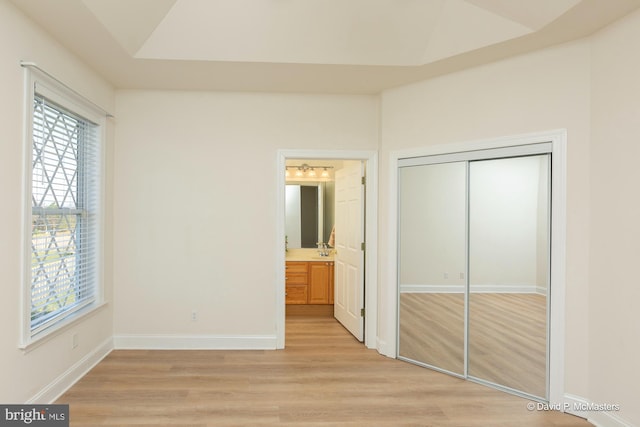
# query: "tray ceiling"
335,46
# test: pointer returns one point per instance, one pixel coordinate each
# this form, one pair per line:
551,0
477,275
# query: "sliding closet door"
432,265
509,272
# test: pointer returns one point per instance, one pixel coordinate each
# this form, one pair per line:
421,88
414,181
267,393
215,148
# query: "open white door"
349,258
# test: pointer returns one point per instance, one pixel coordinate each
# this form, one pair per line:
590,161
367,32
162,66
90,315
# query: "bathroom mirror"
309,216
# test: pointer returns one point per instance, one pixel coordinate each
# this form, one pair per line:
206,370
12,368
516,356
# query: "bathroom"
312,212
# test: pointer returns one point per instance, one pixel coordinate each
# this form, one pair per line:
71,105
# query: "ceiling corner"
130,22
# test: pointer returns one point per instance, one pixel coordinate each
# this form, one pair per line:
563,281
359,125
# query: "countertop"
308,255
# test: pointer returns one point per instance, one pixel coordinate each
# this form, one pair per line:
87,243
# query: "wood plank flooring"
508,340
507,336
323,378
432,329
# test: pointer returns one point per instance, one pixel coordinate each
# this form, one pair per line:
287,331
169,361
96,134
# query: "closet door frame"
553,142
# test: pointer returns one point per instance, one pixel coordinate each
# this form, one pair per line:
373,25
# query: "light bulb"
312,172
325,173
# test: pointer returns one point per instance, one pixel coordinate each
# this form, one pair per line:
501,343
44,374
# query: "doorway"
313,268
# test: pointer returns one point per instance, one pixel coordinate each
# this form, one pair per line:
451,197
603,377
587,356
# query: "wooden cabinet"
309,282
297,279
318,283
331,282
296,294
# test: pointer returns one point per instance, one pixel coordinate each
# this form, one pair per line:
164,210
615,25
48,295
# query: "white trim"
557,138
476,289
51,88
371,237
384,347
33,67
25,253
431,289
470,155
51,392
390,291
573,403
194,342
607,419
63,325
67,98
552,136
558,265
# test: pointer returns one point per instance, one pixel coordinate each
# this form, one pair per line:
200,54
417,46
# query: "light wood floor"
507,336
323,378
508,340
432,329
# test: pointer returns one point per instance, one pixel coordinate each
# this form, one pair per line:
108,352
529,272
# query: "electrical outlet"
74,340
446,275
194,316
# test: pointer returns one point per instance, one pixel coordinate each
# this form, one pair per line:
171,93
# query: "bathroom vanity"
308,277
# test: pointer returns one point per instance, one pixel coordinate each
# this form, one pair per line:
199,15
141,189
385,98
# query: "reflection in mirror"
308,213
508,272
432,265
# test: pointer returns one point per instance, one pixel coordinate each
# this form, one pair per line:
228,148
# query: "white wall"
433,226
187,237
195,194
507,225
505,228
25,376
591,88
544,90
614,293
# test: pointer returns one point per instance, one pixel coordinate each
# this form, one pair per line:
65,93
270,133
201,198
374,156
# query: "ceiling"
313,46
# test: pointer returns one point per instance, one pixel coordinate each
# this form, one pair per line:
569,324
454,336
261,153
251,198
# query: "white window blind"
65,186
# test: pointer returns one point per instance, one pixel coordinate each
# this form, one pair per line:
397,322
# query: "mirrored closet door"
433,258
473,276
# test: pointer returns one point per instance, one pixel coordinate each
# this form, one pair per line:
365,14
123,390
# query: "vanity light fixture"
305,170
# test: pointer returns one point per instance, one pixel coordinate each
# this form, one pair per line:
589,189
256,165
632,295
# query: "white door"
349,258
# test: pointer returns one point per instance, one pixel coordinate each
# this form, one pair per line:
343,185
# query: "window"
65,184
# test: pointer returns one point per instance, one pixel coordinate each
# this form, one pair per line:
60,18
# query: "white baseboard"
62,383
431,289
459,289
574,404
385,349
194,342
607,419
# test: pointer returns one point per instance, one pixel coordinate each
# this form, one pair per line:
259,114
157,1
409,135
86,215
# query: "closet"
474,265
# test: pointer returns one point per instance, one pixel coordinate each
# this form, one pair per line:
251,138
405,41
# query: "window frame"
38,83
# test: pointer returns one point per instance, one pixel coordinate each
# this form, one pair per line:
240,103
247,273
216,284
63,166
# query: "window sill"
31,343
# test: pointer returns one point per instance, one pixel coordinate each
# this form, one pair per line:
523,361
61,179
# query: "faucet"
323,249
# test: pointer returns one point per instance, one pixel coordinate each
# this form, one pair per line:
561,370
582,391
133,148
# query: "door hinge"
364,180
363,246
362,312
